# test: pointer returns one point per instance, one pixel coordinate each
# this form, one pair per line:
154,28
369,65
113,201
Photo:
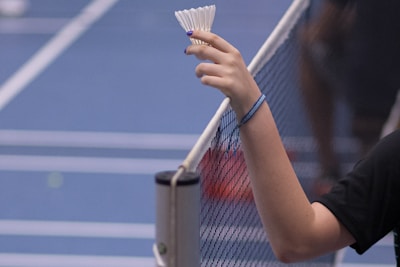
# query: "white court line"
77,229
49,52
97,139
86,164
140,140
47,260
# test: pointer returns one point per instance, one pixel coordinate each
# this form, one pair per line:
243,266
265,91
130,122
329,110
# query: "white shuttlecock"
200,18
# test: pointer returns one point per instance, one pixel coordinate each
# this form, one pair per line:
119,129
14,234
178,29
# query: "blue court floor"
95,98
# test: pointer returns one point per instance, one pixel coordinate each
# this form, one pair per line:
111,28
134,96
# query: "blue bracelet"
252,111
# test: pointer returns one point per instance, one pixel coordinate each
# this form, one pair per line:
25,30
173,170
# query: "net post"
177,219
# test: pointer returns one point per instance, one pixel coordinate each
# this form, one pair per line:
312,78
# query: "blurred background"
95,98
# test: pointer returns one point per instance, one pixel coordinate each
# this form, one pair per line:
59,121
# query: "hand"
225,70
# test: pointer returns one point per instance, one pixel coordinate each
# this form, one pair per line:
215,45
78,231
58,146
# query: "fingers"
218,51
209,69
204,52
213,75
213,40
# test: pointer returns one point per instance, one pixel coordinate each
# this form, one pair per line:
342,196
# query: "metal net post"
177,219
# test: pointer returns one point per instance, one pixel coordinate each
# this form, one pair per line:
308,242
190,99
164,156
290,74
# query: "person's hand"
224,69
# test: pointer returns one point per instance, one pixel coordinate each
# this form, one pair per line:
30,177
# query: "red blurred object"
224,176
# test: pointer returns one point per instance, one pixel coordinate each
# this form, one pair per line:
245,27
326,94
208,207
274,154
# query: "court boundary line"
77,229
150,141
85,139
53,49
60,260
86,164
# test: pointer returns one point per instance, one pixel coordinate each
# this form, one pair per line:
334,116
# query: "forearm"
283,206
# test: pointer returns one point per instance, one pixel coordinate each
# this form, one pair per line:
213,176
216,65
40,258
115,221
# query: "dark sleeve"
367,200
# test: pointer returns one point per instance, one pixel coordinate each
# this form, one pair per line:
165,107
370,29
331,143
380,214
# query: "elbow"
286,256
291,253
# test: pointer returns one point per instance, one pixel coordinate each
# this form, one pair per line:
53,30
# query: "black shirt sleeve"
367,200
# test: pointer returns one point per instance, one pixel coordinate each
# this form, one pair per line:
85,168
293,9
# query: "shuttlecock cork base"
200,18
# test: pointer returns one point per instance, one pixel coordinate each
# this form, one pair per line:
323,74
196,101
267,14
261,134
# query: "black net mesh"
231,230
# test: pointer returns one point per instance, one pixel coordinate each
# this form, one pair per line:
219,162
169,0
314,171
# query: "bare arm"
297,229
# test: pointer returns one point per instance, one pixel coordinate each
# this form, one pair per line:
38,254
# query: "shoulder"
381,166
391,140
387,151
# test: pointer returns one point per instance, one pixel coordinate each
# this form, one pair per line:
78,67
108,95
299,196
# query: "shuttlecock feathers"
200,18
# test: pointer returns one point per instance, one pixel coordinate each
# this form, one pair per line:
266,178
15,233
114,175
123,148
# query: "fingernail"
184,51
189,33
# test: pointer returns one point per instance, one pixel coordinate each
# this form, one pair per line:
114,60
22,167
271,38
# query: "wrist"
251,111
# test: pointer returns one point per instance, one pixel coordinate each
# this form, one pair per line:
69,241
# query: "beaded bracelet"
252,111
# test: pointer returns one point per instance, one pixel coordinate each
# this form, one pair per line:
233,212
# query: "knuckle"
199,70
231,61
205,80
213,38
236,53
202,51
202,66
